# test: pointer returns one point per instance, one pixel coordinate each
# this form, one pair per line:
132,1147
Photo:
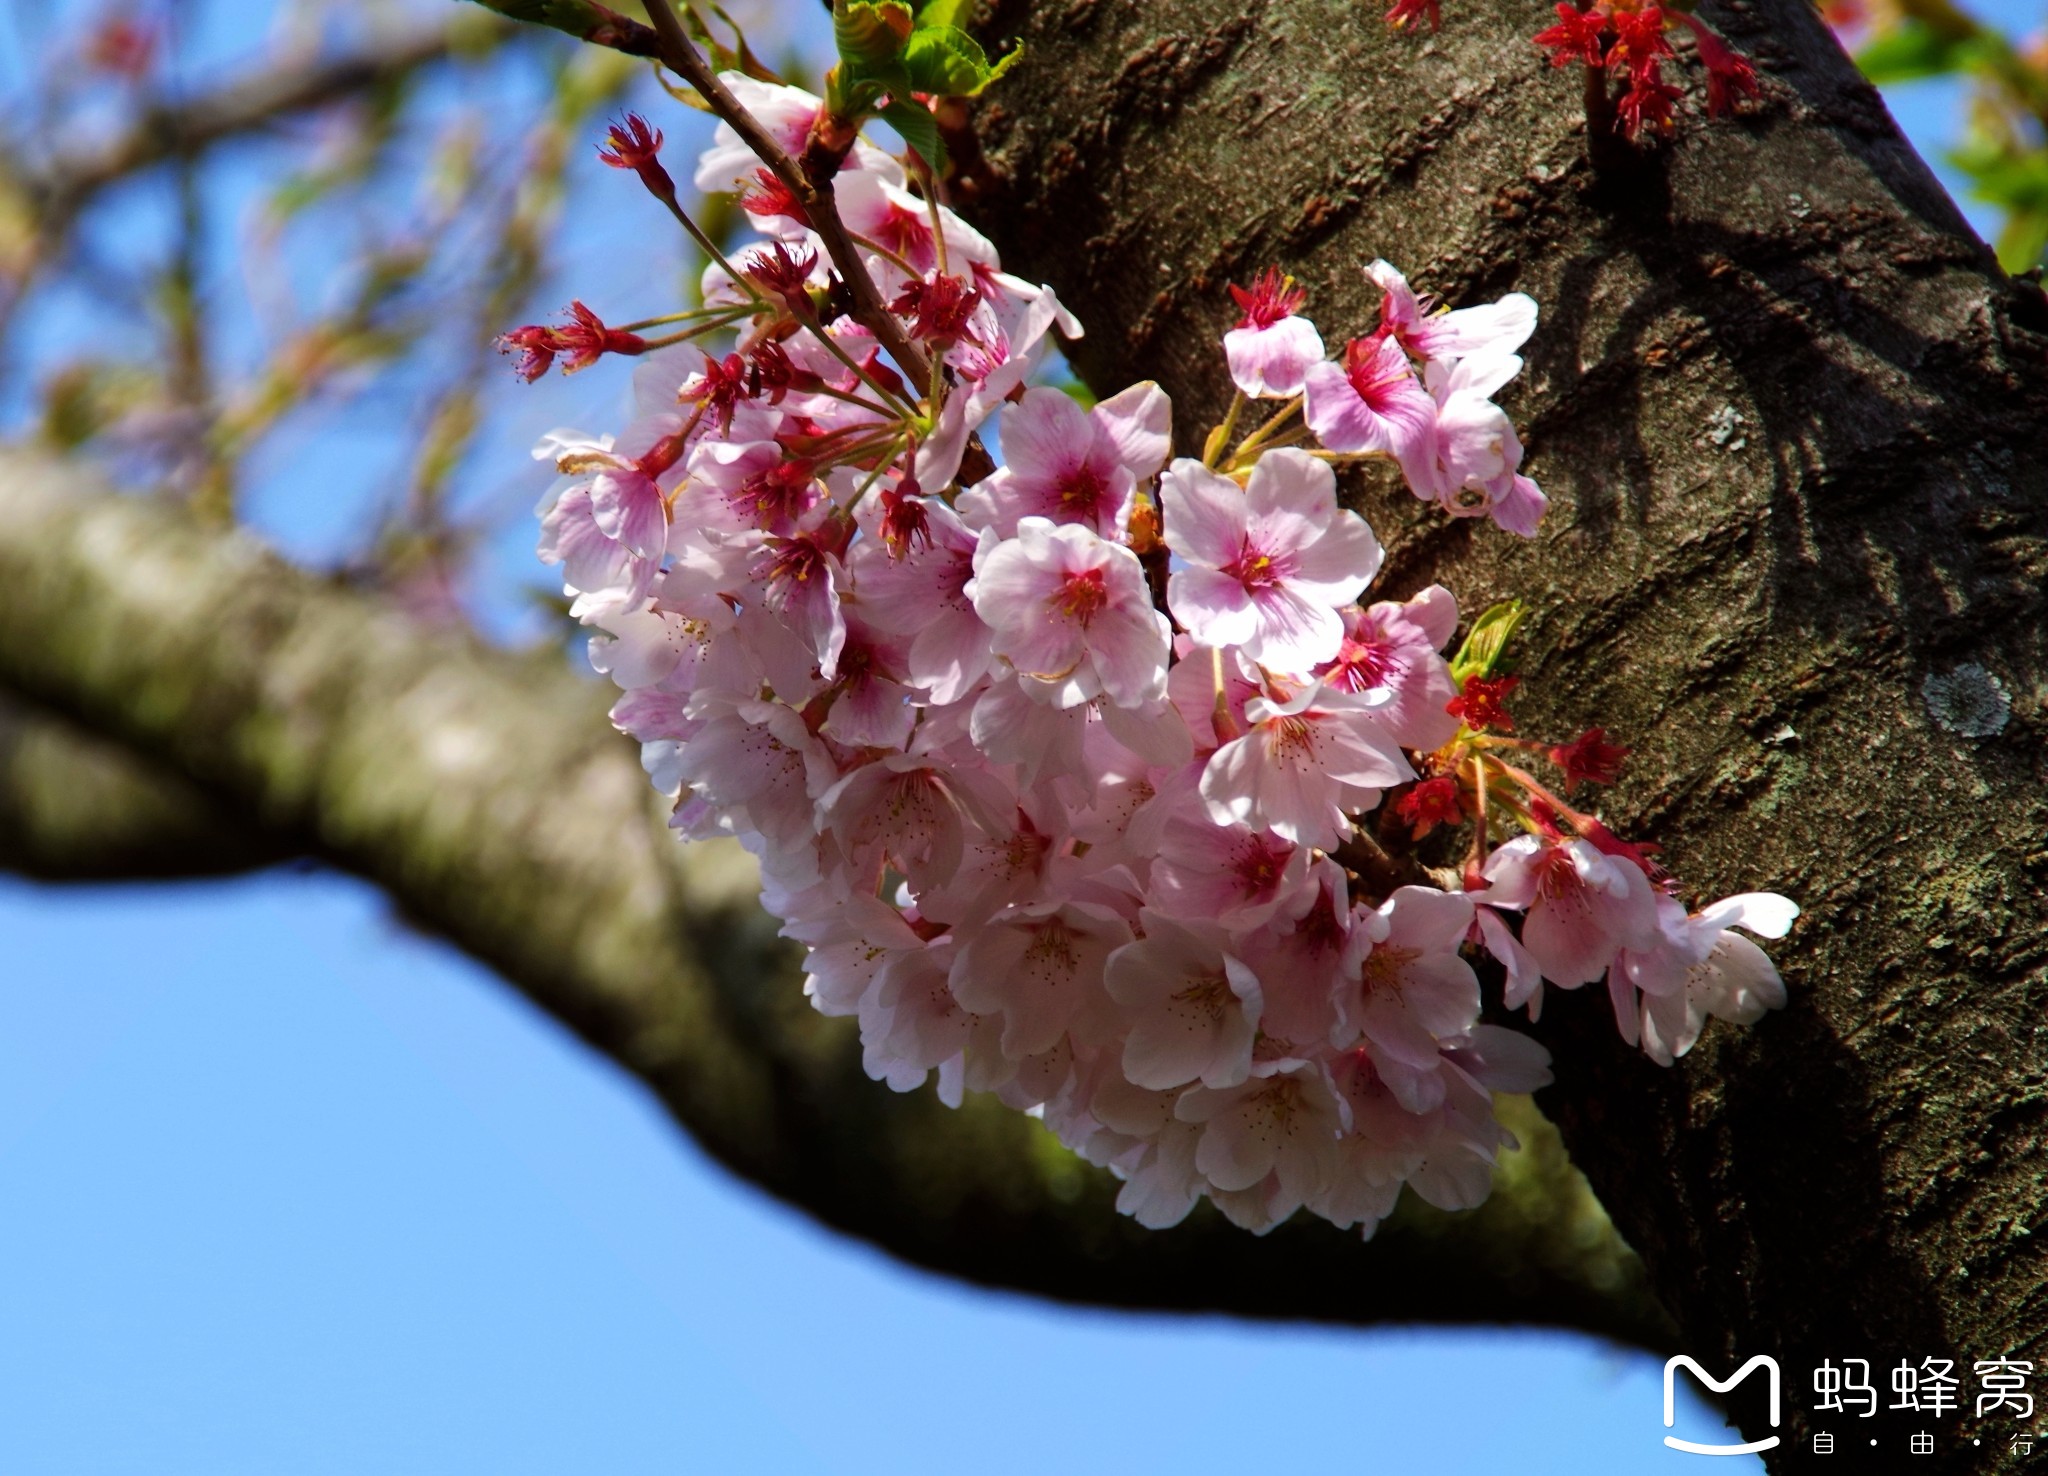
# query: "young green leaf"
870,35
945,13
920,130
1487,641
945,61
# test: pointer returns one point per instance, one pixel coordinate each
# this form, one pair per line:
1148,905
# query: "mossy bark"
1792,418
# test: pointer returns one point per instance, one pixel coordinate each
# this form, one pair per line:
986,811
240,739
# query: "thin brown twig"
680,55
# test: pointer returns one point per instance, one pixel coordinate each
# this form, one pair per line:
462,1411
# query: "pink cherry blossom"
787,113
1037,967
1001,865
649,645
1395,646
1071,465
1302,957
1582,907
922,592
1524,984
1192,1008
1229,874
758,758
1377,1156
1696,968
1412,991
1034,841
910,812
1285,1125
1272,346
1072,613
870,707
591,559
1013,726
1303,765
849,943
1469,462
1497,327
1372,402
1265,567
910,1022
880,210
1161,1183
736,486
1461,1142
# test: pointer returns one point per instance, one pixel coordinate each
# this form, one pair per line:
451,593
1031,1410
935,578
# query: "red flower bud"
1431,803
1271,298
1730,77
769,197
782,272
636,146
723,385
584,339
124,46
905,525
1589,758
1406,12
1576,36
1481,705
939,309
1648,102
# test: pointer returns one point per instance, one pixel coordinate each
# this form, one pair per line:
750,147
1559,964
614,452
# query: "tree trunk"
1791,418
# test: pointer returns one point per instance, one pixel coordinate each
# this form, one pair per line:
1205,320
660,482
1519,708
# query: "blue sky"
287,1188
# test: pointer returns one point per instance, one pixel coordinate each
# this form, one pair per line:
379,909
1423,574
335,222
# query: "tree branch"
680,55
75,807
62,187
585,20
486,794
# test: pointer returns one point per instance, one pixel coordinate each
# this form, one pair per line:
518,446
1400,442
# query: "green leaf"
851,97
1076,391
954,13
1913,49
2013,177
920,130
2023,243
870,35
1487,641
947,62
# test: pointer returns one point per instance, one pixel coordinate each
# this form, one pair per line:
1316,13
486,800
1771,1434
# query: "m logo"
1672,1366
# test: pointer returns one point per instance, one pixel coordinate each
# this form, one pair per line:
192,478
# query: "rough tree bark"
1791,417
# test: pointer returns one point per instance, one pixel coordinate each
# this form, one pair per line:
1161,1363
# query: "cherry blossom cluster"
1417,389
1592,905
1627,40
1068,773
